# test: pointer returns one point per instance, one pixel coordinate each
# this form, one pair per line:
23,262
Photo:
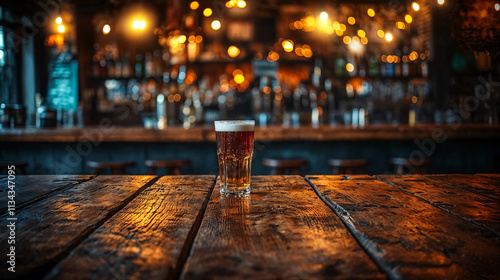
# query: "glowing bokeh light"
207,12
106,29
287,45
216,25
61,28
388,37
194,5
415,6
233,51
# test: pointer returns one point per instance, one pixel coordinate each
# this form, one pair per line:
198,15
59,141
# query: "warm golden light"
323,16
364,40
400,25
273,56
59,20
380,33
239,78
191,39
343,27
182,39
106,29
336,25
139,24
233,51
390,59
199,39
306,51
339,32
207,12
298,51
413,55
497,7
215,25
346,40
287,45
194,5
388,37
61,28
441,2
415,6
351,20
408,18
370,12
361,33
241,4
349,67
237,71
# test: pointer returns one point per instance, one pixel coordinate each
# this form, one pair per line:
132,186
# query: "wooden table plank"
49,229
32,188
481,185
407,234
491,176
482,211
148,239
283,230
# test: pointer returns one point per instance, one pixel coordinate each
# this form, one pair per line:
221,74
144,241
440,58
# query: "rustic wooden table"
291,227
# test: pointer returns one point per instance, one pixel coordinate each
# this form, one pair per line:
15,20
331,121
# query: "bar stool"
173,166
20,167
348,166
400,163
280,166
116,168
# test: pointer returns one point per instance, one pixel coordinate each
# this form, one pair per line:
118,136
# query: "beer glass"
234,151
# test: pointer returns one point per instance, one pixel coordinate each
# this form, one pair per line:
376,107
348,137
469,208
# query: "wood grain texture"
32,188
485,186
482,211
281,231
406,234
492,177
270,133
49,229
148,238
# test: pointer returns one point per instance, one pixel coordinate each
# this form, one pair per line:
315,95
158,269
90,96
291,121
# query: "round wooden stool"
409,166
20,167
348,166
115,167
173,166
280,166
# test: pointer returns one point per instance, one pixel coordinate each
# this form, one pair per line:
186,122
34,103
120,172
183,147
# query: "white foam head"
232,126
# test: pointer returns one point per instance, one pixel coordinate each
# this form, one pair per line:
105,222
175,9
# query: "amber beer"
234,150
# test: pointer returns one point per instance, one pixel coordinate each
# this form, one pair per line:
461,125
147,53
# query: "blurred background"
128,80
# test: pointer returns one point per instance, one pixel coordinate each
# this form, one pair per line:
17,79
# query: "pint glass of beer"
234,150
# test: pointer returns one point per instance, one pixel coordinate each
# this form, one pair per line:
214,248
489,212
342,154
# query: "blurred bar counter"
464,148
439,133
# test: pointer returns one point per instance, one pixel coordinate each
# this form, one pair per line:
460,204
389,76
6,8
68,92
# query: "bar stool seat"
116,168
20,167
348,166
410,166
281,166
173,166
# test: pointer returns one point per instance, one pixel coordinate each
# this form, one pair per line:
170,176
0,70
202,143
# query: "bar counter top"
289,227
111,133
